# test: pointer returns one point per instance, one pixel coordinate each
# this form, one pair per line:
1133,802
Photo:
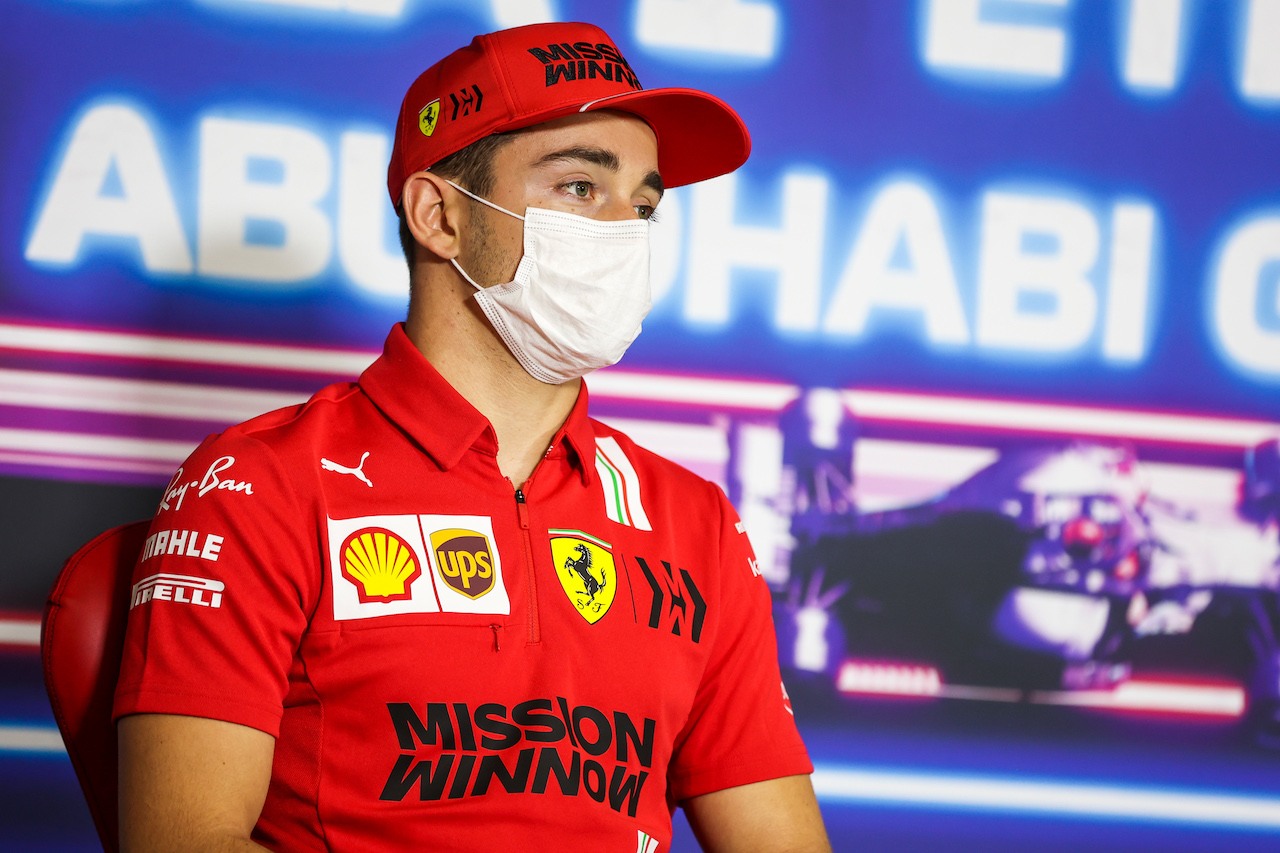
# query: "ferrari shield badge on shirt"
586,570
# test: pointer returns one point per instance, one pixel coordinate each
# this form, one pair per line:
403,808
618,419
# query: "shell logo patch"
585,567
464,559
380,564
428,116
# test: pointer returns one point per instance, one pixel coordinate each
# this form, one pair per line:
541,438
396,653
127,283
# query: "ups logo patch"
585,567
465,560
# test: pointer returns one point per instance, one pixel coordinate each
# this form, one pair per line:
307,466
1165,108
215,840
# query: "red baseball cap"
519,77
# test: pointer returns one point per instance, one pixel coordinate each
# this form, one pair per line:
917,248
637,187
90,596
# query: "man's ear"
434,212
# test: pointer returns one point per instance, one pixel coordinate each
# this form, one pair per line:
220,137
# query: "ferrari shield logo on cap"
380,564
427,117
586,570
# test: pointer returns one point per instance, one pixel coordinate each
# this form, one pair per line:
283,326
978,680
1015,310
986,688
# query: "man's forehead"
615,141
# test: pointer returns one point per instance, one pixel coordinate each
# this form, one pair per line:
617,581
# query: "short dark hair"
471,167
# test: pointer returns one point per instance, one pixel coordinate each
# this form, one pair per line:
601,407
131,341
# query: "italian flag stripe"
626,500
614,503
580,535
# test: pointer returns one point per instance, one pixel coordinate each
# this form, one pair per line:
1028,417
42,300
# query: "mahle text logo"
380,564
464,559
585,567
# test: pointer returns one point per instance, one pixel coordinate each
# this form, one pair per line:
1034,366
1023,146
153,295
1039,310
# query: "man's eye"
581,189
644,211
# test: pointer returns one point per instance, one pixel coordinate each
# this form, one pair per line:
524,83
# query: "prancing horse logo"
582,566
357,472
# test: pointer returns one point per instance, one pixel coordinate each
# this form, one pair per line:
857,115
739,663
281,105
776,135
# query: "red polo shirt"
445,660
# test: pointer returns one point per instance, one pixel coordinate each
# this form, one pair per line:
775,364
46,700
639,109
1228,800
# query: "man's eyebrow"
654,182
600,157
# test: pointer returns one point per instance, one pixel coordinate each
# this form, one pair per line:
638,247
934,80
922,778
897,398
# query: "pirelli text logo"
181,589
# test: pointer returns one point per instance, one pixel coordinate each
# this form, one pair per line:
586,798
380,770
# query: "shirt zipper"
522,513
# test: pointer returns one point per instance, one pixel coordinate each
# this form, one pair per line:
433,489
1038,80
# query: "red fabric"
434,681
80,647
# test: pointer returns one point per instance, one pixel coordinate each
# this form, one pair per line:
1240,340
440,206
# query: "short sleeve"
222,591
741,728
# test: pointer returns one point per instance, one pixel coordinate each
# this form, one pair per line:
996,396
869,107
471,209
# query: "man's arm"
775,816
192,784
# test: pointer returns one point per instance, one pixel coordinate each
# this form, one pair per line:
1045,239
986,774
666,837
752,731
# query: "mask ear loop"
483,201
471,281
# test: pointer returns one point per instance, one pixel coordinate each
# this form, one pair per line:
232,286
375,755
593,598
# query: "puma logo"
357,472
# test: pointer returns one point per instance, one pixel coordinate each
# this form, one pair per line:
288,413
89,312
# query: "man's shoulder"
282,427
265,455
275,438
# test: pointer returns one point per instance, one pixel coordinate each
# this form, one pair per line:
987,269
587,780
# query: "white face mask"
579,295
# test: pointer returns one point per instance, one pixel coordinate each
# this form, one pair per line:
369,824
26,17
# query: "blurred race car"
1051,575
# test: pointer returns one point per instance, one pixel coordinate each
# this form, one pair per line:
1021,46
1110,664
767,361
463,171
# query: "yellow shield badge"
427,117
585,567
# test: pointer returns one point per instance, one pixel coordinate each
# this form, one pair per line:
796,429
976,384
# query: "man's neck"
462,347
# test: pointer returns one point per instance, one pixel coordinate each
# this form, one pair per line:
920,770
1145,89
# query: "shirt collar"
578,436
417,399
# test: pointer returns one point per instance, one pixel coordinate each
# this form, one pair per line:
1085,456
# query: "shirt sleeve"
222,591
741,728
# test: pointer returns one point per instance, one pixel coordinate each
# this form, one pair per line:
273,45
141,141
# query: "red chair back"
81,642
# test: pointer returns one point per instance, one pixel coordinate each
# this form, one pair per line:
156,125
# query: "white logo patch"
383,565
183,589
645,843
357,472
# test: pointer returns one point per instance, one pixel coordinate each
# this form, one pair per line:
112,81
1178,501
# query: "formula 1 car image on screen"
1055,574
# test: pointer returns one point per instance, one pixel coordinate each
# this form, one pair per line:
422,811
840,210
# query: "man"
441,607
